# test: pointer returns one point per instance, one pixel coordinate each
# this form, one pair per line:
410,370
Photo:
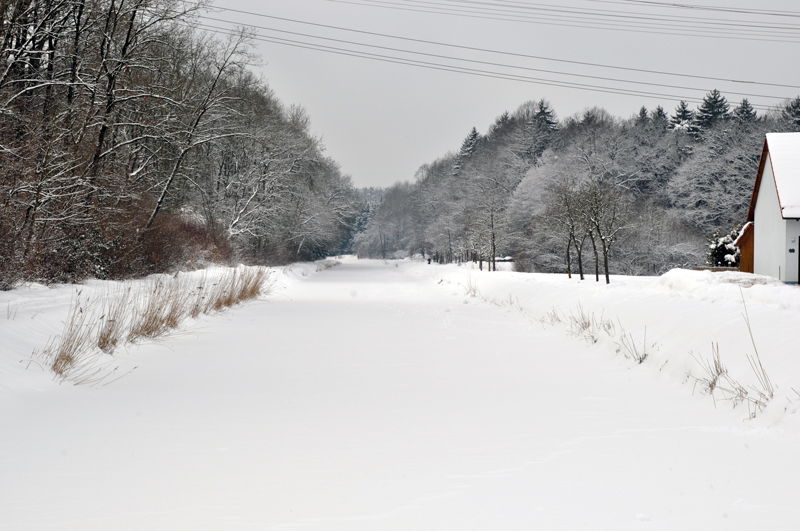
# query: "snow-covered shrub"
721,250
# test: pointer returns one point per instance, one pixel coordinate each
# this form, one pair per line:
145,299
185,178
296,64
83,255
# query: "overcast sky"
382,120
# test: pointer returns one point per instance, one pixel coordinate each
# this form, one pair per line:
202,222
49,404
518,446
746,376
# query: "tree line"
132,143
589,194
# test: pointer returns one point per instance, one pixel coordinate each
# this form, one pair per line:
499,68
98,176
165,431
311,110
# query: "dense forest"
590,194
132,143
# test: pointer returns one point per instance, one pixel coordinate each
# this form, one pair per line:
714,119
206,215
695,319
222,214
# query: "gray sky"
381,121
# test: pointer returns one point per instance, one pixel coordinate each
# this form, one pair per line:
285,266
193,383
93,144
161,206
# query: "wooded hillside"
131,143
590,193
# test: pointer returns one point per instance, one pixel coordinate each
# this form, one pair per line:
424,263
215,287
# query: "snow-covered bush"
721,250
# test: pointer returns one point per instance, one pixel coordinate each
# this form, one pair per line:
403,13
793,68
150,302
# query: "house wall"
792,242
746,251
770,236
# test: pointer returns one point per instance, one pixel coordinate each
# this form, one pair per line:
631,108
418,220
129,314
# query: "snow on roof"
747,226
784,153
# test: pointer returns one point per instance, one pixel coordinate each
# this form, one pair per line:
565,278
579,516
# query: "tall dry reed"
141,311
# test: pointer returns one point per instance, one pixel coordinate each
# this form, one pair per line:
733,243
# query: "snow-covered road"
369,397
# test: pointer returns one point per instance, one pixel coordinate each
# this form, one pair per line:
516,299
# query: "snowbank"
682,314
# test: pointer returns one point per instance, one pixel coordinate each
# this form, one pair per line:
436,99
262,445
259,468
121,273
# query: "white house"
771,240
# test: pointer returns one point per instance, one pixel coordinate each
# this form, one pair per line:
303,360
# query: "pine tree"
683,117
643,117
545,116
659,117
501,126
467,147
503,120
714,108
791,113
538,133
745,113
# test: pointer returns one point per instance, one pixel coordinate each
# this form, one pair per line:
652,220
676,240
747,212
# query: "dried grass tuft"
114,320
588,326
146,311
717,379
64,350
471,289
629,348
162,306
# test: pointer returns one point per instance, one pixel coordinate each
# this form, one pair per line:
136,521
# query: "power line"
694,7
483,63
582,22
462,70
506,53
515,7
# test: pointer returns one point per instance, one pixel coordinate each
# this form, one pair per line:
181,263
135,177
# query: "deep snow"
383,395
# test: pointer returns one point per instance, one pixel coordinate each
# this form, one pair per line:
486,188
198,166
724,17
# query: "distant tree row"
131,143
635,196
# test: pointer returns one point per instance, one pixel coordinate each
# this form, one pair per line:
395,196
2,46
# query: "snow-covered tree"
712,188
537,129
713,109
659,117
790,112
467,147
721,250
643,117
744,112
683,117
545,116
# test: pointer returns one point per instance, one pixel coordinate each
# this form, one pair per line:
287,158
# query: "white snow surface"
784,153
404,396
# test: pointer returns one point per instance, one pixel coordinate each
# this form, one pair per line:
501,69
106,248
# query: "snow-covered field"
405,396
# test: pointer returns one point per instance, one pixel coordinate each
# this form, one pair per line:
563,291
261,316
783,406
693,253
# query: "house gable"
782,152
769,227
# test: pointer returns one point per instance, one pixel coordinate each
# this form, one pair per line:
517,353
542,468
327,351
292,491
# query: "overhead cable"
484,63
463,70
510,54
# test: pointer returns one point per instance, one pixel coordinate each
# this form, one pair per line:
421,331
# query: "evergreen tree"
467,147
745,113
683,117
714,108
659,117
501,126
791,113
503,120
643,117
545,116
538,132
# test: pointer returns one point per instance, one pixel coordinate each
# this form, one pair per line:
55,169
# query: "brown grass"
62,351
135,313
718,379
162,306
114,320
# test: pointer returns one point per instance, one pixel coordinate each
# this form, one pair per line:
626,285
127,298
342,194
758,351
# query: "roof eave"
751,213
